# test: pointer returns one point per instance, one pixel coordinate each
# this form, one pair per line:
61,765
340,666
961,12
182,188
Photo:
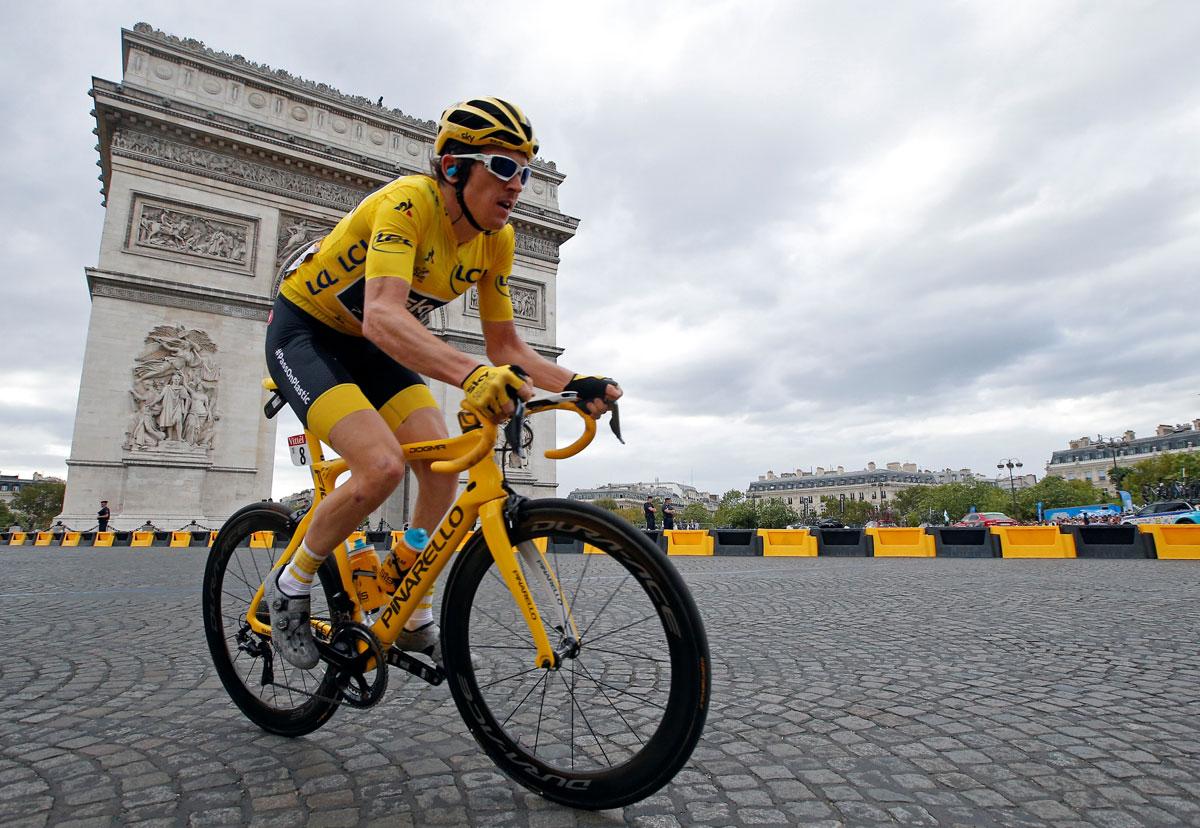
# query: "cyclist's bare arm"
388,324
506,347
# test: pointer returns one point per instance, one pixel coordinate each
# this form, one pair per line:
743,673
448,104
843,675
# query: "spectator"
668,514
102,516
648,508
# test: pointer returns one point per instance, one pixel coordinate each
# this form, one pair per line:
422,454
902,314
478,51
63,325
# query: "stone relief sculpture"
511,459
174,392
221,165
180,232
524,302
296,232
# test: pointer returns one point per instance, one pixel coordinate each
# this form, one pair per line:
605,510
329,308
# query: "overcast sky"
813,234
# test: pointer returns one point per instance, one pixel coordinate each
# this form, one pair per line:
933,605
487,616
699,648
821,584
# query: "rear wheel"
620,715
273,694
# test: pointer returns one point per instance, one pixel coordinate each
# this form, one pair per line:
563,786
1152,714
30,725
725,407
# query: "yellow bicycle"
585,677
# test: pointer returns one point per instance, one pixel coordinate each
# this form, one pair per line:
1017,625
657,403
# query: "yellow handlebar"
589,432
486,440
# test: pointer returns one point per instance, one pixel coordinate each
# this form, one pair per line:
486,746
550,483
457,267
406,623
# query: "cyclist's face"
489,199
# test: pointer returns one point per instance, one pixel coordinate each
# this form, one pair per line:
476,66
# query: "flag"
945,516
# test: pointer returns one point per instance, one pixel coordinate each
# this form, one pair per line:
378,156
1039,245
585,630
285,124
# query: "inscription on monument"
174,393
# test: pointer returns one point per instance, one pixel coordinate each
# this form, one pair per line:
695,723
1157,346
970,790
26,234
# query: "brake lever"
512,429
614,420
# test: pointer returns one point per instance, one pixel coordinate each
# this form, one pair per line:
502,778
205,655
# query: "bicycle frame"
483,498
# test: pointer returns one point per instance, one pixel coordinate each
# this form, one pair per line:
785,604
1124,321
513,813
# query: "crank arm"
406,662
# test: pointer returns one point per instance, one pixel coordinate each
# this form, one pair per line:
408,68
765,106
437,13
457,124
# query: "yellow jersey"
402,231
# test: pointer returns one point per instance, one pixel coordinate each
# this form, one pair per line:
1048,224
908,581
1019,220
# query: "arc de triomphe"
213,170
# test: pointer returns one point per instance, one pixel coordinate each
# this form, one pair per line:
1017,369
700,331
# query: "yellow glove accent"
488,388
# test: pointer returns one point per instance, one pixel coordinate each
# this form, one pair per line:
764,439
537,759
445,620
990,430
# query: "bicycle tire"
301,700
634,739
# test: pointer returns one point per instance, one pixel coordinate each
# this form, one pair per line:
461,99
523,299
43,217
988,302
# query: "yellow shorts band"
330,407
337,402
396,410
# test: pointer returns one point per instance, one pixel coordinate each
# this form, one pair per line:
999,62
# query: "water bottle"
364,571
403,555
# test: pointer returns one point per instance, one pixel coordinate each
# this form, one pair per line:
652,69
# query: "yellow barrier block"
212,537
263,540
1034,542
104,539
16,539
588,549
788,543
1174,541
142,539
71,538
695,542
181,539
43,538
902,542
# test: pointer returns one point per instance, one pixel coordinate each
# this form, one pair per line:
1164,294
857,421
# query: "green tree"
773,513
736,512
695,513
1145,478
632,514
38,503
1054,491
851,511
1117,476
607,503
7,518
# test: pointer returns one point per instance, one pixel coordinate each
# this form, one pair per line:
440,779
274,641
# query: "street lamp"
1111,444
1011,463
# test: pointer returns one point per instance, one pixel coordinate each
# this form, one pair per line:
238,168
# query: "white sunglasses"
500,166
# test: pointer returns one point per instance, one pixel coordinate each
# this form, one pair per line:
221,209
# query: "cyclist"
347,346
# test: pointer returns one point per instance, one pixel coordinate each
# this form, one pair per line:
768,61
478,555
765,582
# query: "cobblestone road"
845,692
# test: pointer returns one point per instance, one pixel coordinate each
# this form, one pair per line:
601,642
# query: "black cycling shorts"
325,374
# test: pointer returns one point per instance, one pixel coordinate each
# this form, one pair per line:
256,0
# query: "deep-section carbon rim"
623,711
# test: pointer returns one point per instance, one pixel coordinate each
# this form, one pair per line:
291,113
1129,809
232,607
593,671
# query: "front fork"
548,590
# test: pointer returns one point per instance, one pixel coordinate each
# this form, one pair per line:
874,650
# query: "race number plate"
299,448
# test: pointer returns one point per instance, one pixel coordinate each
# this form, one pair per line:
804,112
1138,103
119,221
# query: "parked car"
981,520
1165,511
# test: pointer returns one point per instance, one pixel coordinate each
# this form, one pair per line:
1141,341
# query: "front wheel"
621,714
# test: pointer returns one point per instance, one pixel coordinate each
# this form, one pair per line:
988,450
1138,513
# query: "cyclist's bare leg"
376,463
435,492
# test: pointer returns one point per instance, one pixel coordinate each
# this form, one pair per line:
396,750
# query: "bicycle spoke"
586,722
623,654
511,677
611,598
617,710
623,691
513,712
650,617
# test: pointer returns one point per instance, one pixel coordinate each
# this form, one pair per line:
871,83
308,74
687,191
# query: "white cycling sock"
297,577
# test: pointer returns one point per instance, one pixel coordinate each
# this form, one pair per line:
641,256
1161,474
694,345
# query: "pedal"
426,672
